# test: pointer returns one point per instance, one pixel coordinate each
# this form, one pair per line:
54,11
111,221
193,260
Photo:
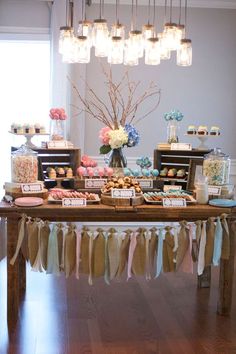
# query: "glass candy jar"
173,131
216,167
24,165
57,129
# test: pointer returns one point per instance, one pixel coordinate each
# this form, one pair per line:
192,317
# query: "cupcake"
215,130
37,128
163,173
202,130
181,173
31,129
14,128
171,172
20,129
42,129
60,172
69,172
51,173
191,130
26,128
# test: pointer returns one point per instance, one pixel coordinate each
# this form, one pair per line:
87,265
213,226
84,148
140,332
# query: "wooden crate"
176,159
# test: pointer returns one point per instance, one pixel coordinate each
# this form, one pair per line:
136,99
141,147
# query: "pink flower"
104,135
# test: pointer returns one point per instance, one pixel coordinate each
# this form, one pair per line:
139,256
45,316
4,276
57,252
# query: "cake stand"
203,139
28,138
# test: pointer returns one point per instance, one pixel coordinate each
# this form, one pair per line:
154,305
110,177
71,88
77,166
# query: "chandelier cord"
180,10
154,17
185,17
170,11
132,19
149,5
165,13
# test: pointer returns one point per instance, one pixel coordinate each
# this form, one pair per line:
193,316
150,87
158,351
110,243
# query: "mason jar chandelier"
113,45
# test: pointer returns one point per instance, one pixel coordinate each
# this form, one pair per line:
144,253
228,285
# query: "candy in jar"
24,165
216,166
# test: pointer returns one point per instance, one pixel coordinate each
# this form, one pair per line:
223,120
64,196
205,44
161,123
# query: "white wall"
204,92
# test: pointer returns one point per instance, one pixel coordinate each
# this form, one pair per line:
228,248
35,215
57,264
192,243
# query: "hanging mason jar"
58,129
173,131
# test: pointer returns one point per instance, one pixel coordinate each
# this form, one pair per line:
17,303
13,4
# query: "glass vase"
117,158
173,131
58,129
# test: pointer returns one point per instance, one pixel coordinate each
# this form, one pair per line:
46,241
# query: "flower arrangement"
121,111
117,138
57,114
174,115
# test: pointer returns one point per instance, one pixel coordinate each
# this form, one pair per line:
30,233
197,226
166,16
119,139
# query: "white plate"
51,200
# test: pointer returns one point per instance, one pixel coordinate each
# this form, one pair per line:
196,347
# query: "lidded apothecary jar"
216,166
24,165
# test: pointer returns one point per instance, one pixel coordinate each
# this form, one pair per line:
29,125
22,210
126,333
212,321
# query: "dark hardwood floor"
167,316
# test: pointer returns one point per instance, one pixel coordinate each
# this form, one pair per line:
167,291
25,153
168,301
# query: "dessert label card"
174,202
172,188
74,202
57,144
146,183
95,183
31,187
180,146
214,190
122,193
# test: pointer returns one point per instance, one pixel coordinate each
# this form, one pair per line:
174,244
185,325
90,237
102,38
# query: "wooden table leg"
204,280
13,273
22,275
226,276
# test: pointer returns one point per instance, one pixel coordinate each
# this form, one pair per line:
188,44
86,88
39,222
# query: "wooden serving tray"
108,200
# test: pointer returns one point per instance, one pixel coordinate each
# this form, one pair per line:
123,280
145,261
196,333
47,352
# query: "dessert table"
16,275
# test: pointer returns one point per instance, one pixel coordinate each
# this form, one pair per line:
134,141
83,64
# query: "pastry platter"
157,197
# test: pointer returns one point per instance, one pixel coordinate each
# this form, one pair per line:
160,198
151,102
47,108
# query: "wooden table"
16,275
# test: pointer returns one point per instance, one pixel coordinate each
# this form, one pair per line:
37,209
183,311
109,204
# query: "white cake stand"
203,139
28,138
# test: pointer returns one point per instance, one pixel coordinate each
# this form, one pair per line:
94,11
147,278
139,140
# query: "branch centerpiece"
119,113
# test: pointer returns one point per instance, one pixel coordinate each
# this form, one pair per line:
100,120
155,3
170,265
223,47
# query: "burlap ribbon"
113,249
61,245
84,252
210,238
141,252
183,243
196,242
44,238
168,253
123,251
98,257
70,249
33,239
187,263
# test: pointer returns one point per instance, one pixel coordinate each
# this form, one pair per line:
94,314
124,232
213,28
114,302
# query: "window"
24,92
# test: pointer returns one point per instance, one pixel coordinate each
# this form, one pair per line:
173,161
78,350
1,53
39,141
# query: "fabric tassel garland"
201,256
70,249
225,252
159,263
53,266
210,239
139,255
218,242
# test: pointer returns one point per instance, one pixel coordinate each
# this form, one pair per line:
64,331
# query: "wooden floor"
168,315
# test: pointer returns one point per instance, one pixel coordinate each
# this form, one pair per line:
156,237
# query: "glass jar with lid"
216,166
24,165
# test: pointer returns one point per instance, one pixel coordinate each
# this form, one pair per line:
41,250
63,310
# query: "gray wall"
204,92
24,13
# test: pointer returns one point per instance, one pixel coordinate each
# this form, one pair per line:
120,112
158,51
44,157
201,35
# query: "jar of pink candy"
24,165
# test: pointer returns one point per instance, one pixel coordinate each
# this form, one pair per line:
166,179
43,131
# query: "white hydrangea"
118,138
